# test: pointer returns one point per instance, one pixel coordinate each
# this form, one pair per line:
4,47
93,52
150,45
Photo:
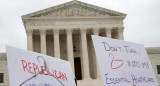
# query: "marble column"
56,44
43,41
120,33
84,55
97,70
70,48
29,39
109,32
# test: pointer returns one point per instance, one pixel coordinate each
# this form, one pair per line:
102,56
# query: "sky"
142,24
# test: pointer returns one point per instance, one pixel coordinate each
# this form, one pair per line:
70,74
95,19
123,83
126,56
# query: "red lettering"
35,67
64,76
30,68
58,77
49,73
24,63
41,71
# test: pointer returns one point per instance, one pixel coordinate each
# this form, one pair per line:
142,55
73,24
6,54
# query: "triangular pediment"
73,9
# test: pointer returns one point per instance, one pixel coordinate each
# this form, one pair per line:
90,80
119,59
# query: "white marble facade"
64,31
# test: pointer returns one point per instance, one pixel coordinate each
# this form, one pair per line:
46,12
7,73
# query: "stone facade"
64,31
4,69
154,55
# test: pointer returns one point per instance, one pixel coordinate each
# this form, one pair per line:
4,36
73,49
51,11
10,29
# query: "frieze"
40,23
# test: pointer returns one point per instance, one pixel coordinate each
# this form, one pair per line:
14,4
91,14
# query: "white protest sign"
28,68
123,64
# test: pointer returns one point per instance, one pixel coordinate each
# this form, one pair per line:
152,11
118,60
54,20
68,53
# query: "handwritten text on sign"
32,69
123,63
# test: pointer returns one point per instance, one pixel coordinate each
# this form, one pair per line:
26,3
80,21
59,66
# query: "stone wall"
4,69
154,56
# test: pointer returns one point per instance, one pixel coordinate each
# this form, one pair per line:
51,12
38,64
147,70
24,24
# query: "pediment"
73,9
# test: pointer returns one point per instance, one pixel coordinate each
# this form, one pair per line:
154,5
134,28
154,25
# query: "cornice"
76,17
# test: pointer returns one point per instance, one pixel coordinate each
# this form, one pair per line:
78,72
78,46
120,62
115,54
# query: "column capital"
120,33
108,32
56,31
69,30
29,32
42,32
120,29
108,28
83,30
95,30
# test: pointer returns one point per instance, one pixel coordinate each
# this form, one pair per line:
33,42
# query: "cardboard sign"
123,64
27,68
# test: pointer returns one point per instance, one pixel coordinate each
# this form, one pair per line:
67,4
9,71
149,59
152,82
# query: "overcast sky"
142,24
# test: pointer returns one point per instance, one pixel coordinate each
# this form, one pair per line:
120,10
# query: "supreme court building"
64,31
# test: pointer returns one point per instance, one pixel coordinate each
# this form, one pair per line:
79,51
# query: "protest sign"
123,63
28,68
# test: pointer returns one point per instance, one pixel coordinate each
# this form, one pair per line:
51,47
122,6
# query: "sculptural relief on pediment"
73,10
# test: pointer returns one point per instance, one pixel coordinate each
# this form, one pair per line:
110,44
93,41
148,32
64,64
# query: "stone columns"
84,55
56,44
120,33
97,70
43,41
109,32
29,39
70,48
